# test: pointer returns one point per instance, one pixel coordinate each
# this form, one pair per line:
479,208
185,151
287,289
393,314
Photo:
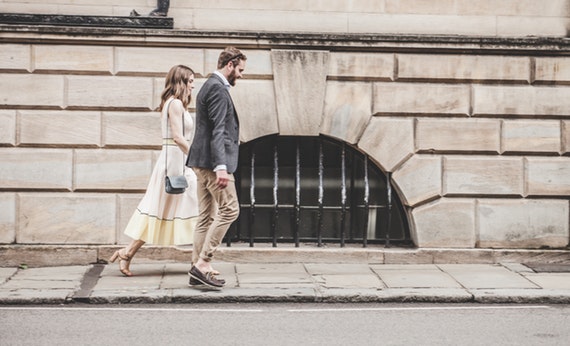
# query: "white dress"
161,218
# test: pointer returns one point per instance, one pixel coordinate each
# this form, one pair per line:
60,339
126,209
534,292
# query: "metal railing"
355,195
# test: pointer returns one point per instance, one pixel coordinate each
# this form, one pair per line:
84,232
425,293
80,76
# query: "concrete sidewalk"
161,282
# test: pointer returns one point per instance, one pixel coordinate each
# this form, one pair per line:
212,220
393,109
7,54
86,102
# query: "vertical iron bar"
389,192
321,197
274,224
353,200
297,193
252,197
366,203
342,194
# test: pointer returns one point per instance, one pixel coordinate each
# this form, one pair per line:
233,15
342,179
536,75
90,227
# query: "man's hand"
222,178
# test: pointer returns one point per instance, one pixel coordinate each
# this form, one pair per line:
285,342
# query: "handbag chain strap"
168,137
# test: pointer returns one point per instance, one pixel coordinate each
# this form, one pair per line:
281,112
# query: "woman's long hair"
176,85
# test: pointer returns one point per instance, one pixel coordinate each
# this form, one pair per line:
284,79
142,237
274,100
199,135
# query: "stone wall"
475,131
443,17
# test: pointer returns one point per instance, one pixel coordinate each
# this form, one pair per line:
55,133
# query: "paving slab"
480,276
349,281
276,278
550,280
6,274
51,273
337,268
428,277
264,268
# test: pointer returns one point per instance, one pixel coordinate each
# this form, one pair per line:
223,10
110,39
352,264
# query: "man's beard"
232,78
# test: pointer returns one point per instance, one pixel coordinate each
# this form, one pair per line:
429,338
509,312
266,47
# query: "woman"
161,218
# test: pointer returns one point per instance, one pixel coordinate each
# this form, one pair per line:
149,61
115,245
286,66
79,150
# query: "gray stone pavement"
167,282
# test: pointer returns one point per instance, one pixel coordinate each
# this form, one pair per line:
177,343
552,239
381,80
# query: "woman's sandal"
122,258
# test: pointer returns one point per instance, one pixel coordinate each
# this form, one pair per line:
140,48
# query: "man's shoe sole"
203,280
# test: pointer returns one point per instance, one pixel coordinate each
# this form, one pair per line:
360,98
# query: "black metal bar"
321,197
342,194
252,197
353,200
389,202
275,219
297,193
366,203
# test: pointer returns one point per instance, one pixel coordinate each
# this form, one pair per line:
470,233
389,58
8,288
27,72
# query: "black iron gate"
314,189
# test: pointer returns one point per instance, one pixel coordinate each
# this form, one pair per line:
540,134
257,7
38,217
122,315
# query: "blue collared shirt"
224,79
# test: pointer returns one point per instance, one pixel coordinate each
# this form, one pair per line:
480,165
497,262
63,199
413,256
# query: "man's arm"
218,105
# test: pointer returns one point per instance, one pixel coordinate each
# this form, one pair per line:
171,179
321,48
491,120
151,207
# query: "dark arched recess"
314,189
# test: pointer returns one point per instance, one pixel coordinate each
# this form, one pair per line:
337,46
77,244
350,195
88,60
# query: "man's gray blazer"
216,138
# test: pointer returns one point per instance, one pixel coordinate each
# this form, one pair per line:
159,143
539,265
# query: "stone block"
522,223
565,136
552,70
517,26
8,128
112,169
127,206
263,20
141,129
419,7
421,24
447,223
110,92
258,64
348,108
395,98
22,168
254,101
157,61
389,141
531,136
457,68
60,128
93,59
47,90
456,135
548,176
15,57
483,175
66,218
552,8
419,179
361,66
521,101
7,218
300,83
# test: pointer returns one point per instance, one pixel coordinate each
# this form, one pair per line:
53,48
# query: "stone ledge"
62,255
87,21
128,36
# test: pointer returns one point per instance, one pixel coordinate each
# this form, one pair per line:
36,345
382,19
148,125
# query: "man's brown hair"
230,54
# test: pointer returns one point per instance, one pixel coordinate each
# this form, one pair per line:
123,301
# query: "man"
214,157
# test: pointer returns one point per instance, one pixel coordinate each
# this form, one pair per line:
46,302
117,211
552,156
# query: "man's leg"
206,208
227,212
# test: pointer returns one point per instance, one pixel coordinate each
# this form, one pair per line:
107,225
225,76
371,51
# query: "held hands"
222,178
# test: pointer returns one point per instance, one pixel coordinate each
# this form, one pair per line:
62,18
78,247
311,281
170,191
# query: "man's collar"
224,80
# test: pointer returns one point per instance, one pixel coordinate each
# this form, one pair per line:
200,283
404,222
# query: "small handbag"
174,184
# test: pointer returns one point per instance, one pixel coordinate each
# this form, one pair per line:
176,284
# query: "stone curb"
58,255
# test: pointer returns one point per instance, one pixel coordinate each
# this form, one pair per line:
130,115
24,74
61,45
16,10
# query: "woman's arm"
176,112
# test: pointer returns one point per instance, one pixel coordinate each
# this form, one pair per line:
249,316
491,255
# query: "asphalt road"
286,324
